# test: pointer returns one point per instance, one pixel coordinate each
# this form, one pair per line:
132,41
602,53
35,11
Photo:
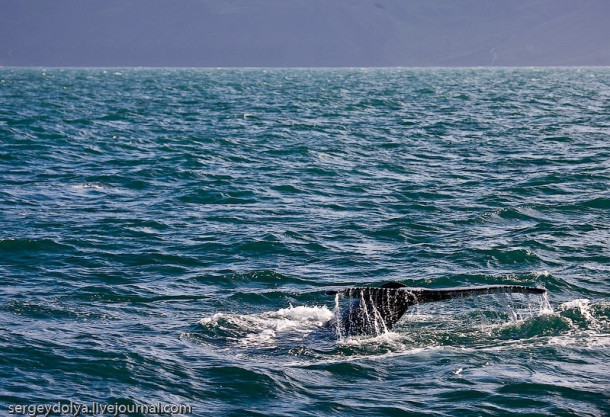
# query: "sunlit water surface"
168,235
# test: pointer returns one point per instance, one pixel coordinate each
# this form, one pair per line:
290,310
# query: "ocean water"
167,235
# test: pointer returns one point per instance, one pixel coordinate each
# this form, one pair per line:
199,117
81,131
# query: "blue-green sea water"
168,236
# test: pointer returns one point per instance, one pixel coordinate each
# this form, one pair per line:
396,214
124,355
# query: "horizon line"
298,67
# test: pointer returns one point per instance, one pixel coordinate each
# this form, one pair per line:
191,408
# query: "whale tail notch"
376,309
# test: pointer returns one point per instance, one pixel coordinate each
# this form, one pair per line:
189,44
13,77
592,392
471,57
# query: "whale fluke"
377,309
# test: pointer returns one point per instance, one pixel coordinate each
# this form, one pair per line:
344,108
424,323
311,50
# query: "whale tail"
376,309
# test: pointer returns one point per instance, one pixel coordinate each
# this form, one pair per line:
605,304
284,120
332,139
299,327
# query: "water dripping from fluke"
375,310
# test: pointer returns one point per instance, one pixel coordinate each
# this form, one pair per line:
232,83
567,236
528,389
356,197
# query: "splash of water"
337,313
266,329
519,311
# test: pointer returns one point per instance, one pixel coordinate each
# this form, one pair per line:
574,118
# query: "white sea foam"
587,340
290,317
88,186
265,328
292,324
386,337
580,304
